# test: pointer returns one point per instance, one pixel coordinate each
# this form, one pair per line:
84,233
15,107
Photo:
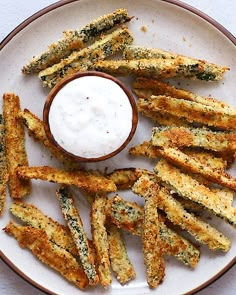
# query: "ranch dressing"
90,117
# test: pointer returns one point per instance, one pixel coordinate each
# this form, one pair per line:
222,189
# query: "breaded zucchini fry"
84,59
129,216
224,194
189,205
191,111
219,141
162,119
3,167
205,158
200,230
157,68
165,119
75,40
190,188
78,233
57,233
49,253
196,208
152,243
125,214
100,239
227,156
15,146
84,179
36,129
208,72
147,149
120,262
190,164
125,178
145,88
160,68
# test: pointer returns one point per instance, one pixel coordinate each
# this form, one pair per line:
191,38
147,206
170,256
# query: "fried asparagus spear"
88,180
74,222
120,262
190,188
15,146
57,233
191,111
200,230
199,69
3,167
49,253
75,40
129,216
84,59
100,239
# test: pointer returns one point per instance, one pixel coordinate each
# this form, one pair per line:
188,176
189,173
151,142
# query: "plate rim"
57,5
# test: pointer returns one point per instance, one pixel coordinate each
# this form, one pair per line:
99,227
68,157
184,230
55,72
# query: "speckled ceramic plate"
170,25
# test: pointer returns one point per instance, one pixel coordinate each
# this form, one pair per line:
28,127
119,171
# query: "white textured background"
12,13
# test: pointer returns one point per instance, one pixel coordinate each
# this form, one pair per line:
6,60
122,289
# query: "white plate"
170,25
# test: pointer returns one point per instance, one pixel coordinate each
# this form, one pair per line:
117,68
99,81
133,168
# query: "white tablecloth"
12,13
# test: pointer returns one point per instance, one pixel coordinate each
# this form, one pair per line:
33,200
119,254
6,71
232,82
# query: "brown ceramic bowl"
48,115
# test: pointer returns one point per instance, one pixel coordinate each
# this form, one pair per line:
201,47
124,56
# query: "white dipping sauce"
90,117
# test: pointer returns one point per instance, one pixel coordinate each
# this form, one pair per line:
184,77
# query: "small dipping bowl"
90,116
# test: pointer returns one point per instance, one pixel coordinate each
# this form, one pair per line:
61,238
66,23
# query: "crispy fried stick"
152,243
3,167
15,146
190,188
147,149
218,141
126,177
49,253
129,216
84,179
120,262
84,59
193,165
57,233
200,230
191,111
100,239
208,71
74,222
75,40
144,87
